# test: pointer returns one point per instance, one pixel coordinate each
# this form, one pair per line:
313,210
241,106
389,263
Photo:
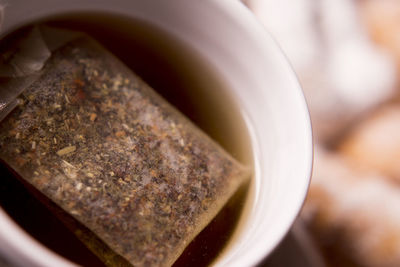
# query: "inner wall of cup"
227,35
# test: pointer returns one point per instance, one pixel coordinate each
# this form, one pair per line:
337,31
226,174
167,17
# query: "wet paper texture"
101,144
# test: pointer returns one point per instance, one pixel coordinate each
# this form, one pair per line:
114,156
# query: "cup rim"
11,236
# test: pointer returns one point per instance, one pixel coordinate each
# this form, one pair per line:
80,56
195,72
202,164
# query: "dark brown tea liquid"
188,82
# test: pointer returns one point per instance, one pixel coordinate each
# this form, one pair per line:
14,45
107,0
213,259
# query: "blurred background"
346,54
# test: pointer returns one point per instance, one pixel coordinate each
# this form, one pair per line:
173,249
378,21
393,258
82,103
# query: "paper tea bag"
101,144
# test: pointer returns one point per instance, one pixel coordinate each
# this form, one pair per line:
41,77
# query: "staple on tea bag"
100,143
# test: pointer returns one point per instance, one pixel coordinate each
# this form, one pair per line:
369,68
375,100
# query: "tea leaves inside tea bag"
99,142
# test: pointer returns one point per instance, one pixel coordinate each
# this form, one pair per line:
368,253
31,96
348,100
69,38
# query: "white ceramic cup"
227,35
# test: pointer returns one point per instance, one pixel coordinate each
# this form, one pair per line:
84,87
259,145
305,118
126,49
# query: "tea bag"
101,144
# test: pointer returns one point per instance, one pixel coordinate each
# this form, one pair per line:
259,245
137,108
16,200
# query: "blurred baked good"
382,18
344,74
353,213
374,144
347,57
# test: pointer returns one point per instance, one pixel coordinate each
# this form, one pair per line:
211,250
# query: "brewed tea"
70,147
